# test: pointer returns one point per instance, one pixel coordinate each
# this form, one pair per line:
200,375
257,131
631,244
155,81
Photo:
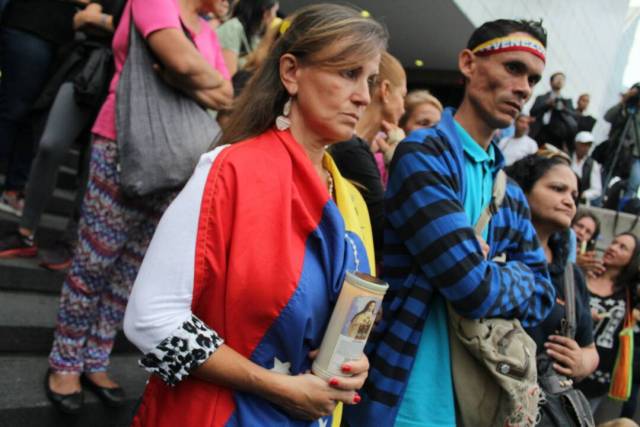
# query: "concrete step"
27,322
49,223
72,159
25,274
67,178
23,402
61,204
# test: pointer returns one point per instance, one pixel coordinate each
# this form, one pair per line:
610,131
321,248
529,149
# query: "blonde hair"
391,70
416,98
313,28
419,97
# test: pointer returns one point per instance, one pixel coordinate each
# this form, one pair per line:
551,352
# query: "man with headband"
441,179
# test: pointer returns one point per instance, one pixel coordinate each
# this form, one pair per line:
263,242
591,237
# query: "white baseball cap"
584,137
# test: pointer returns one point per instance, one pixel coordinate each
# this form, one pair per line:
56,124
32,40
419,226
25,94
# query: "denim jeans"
3,4
25,60
634,179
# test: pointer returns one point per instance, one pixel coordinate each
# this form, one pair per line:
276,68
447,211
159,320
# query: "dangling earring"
283,122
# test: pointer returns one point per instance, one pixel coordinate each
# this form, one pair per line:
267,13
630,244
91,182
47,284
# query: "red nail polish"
357,398
333,382
346,368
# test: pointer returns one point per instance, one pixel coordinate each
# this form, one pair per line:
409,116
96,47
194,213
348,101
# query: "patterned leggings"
113,236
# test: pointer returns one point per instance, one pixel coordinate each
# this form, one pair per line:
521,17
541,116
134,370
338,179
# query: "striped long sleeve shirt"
430,246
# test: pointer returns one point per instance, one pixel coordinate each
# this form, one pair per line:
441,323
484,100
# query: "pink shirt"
150,16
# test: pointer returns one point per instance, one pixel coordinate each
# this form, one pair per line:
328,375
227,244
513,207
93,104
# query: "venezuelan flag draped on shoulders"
271,252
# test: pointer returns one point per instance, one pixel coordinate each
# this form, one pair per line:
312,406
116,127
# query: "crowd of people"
323,164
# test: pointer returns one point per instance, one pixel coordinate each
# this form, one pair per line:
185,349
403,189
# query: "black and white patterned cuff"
182,352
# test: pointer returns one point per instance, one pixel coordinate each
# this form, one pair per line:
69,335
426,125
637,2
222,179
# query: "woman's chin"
340,135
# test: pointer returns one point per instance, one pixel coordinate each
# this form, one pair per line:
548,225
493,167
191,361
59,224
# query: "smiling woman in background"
613,290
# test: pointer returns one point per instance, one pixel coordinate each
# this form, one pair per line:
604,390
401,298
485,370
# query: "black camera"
634,101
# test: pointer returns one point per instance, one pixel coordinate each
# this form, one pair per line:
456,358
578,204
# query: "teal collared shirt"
429,398
480,167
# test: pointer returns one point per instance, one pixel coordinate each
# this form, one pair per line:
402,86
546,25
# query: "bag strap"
628,317
133,28
568,328
499,190
245,41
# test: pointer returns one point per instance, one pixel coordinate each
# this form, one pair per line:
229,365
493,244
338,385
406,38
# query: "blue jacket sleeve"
424,208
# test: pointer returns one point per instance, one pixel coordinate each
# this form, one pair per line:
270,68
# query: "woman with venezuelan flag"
242,274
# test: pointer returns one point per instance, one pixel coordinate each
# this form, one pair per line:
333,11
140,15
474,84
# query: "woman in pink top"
114,231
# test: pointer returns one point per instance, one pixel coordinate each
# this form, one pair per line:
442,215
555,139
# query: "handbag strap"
499,190
568,328
628,317
133,29
244,41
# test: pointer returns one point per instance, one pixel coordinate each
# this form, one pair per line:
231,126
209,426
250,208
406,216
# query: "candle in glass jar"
351,322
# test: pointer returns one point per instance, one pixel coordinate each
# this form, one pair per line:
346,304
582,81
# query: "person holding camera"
555,117
618,116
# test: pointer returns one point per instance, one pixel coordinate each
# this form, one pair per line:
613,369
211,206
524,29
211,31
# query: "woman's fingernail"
357,398
346,368
333,382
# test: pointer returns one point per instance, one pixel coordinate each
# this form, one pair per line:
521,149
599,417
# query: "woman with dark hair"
551,188
240,35
586,227
255,248
613,290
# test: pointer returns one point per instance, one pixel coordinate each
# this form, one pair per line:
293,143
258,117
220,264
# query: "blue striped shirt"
430,245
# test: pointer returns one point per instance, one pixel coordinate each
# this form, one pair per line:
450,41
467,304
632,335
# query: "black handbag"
91,84
562,405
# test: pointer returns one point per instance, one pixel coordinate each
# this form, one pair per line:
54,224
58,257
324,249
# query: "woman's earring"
283,122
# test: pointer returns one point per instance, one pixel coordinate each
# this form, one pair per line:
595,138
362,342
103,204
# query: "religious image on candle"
362,314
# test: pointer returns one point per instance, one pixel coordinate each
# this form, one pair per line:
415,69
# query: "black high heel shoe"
112,397
66,403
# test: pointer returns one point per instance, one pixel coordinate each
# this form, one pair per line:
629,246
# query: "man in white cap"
587,169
